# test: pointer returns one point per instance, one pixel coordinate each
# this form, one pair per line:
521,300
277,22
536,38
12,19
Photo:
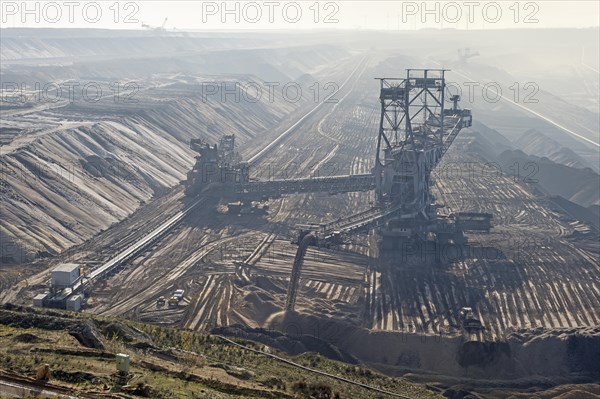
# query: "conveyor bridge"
329,184
415,131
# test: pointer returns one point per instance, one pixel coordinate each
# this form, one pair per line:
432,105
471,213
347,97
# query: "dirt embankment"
288,343
524,353
71,168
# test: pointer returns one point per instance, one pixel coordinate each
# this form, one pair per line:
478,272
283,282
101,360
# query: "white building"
64,275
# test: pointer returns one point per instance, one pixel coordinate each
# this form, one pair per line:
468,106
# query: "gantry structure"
415,131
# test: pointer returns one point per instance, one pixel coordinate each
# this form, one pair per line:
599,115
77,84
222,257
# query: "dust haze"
253,184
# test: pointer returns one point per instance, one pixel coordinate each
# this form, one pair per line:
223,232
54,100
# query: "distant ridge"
533,142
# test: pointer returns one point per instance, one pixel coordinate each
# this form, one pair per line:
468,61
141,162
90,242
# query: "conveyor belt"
330,184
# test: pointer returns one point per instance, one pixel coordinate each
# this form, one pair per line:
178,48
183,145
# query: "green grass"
195,371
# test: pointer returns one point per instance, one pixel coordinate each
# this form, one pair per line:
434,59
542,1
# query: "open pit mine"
392,224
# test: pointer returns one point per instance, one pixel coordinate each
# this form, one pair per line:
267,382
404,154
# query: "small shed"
74,303
39,300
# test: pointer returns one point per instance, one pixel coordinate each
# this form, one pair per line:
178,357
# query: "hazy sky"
231,15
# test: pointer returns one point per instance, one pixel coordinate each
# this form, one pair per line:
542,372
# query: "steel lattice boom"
415,131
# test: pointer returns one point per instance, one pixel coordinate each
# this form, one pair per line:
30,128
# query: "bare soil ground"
533,280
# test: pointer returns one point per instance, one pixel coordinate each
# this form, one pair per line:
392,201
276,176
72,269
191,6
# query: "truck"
178,295
469,322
